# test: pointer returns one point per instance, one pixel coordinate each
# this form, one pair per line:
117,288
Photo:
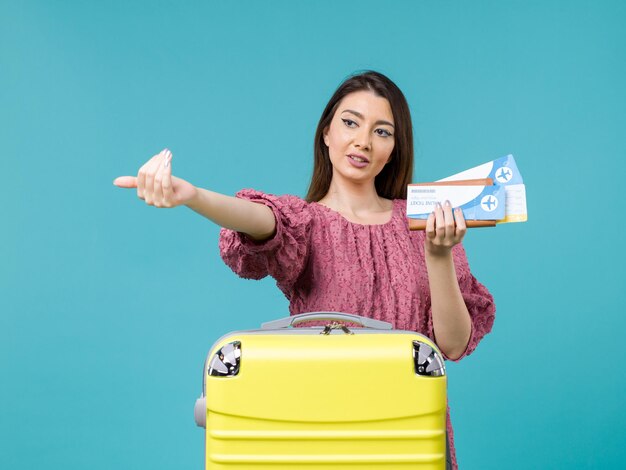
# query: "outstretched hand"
444,229
156,185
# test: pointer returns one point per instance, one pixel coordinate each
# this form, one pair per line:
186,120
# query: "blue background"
108,306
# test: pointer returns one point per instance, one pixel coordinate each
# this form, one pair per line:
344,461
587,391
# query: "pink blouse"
323,262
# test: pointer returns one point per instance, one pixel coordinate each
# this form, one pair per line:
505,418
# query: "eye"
349,122
383,133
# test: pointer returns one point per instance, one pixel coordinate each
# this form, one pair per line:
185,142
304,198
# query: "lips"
358,157
357,161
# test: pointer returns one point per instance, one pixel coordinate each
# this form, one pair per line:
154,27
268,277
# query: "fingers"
141,178
153,181
168,191
430,226
146,175
159,199
125,181
461,226
445,227
448,221
157,192
153,167
440,226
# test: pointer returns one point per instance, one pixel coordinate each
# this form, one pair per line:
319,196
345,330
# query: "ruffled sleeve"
478,300
283,256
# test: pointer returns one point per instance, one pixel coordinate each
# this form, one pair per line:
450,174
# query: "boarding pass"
494,191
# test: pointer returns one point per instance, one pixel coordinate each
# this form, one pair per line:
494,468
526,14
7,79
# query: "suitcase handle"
314,316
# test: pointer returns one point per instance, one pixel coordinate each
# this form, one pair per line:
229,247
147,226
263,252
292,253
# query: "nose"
362,139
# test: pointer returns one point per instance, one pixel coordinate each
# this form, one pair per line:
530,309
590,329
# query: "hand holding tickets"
487,194
156,185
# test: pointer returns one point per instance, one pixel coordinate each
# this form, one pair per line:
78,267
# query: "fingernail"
438,205
167,161
448,203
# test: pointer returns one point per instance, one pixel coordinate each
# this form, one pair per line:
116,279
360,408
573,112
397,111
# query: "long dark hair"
392,181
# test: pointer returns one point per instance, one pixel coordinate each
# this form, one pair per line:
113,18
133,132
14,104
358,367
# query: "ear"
325,135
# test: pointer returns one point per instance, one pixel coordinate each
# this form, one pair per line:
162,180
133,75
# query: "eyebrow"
357,114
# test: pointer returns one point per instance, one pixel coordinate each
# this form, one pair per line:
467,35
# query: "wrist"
196,201
438,253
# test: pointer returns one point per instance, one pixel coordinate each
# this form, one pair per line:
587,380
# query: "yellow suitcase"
324,397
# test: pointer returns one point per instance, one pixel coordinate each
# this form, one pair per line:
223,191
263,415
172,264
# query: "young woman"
347,246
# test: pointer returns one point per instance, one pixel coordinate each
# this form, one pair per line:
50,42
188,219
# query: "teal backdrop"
108,306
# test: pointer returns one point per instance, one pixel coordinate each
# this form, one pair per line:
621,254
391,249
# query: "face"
360,137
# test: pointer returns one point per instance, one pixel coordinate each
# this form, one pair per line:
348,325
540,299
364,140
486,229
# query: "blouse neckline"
394,208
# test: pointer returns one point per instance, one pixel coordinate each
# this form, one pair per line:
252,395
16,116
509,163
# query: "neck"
353,197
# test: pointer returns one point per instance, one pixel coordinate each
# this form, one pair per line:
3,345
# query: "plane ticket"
503,171
504,201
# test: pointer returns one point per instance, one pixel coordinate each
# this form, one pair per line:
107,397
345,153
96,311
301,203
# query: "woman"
347,246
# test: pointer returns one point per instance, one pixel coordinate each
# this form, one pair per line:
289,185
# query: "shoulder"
399,203
285,200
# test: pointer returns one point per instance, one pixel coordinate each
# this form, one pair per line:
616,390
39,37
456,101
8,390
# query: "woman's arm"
157,187
255,220
451,320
